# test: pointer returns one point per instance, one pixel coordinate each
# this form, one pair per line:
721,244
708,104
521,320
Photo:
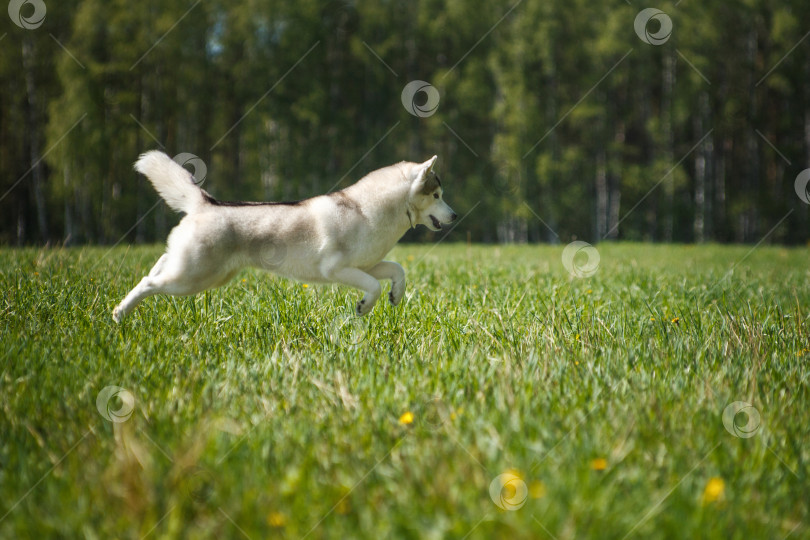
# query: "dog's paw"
396,293
118,315
363,307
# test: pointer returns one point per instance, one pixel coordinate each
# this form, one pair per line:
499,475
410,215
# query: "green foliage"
263,409
284,100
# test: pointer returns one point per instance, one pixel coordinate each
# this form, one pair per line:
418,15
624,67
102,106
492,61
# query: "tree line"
553,120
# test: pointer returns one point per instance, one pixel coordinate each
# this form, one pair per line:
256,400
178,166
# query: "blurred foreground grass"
264,409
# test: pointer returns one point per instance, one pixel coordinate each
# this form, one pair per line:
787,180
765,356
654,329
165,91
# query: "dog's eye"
435,195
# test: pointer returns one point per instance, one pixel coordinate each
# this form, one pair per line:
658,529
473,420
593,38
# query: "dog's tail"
174,183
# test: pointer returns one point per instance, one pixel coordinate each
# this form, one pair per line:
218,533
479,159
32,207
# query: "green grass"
263,410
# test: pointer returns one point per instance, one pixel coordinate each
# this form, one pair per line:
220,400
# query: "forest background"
553,120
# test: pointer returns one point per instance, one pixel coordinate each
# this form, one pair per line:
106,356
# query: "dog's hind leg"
175,277
159,284
161,262
394,272
358,279
146,287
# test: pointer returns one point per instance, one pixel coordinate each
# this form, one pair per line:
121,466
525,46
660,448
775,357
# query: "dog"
340,237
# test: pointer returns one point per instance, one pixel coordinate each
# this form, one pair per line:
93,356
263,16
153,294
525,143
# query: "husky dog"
340,237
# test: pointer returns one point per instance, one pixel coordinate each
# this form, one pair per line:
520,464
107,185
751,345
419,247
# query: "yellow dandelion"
537,490
406,418
244,280
652,318
343,507
589,291
514,472
305,285
714,490
276,519
599,464
676,321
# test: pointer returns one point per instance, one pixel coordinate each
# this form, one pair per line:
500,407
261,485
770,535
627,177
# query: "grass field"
263,410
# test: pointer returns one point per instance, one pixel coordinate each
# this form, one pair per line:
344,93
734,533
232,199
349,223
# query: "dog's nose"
453,216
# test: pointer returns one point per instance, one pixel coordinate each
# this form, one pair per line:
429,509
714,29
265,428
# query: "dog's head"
425,204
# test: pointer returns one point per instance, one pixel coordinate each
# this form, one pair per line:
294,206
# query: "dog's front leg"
360,280
394,272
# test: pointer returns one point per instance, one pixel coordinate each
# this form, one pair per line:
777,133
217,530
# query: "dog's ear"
428,165
421,169
419,172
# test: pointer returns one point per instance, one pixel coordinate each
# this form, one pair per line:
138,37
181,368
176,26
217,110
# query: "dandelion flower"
276,519
343,507
406,418
714,490
537,490
514,472
305,285
599,464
